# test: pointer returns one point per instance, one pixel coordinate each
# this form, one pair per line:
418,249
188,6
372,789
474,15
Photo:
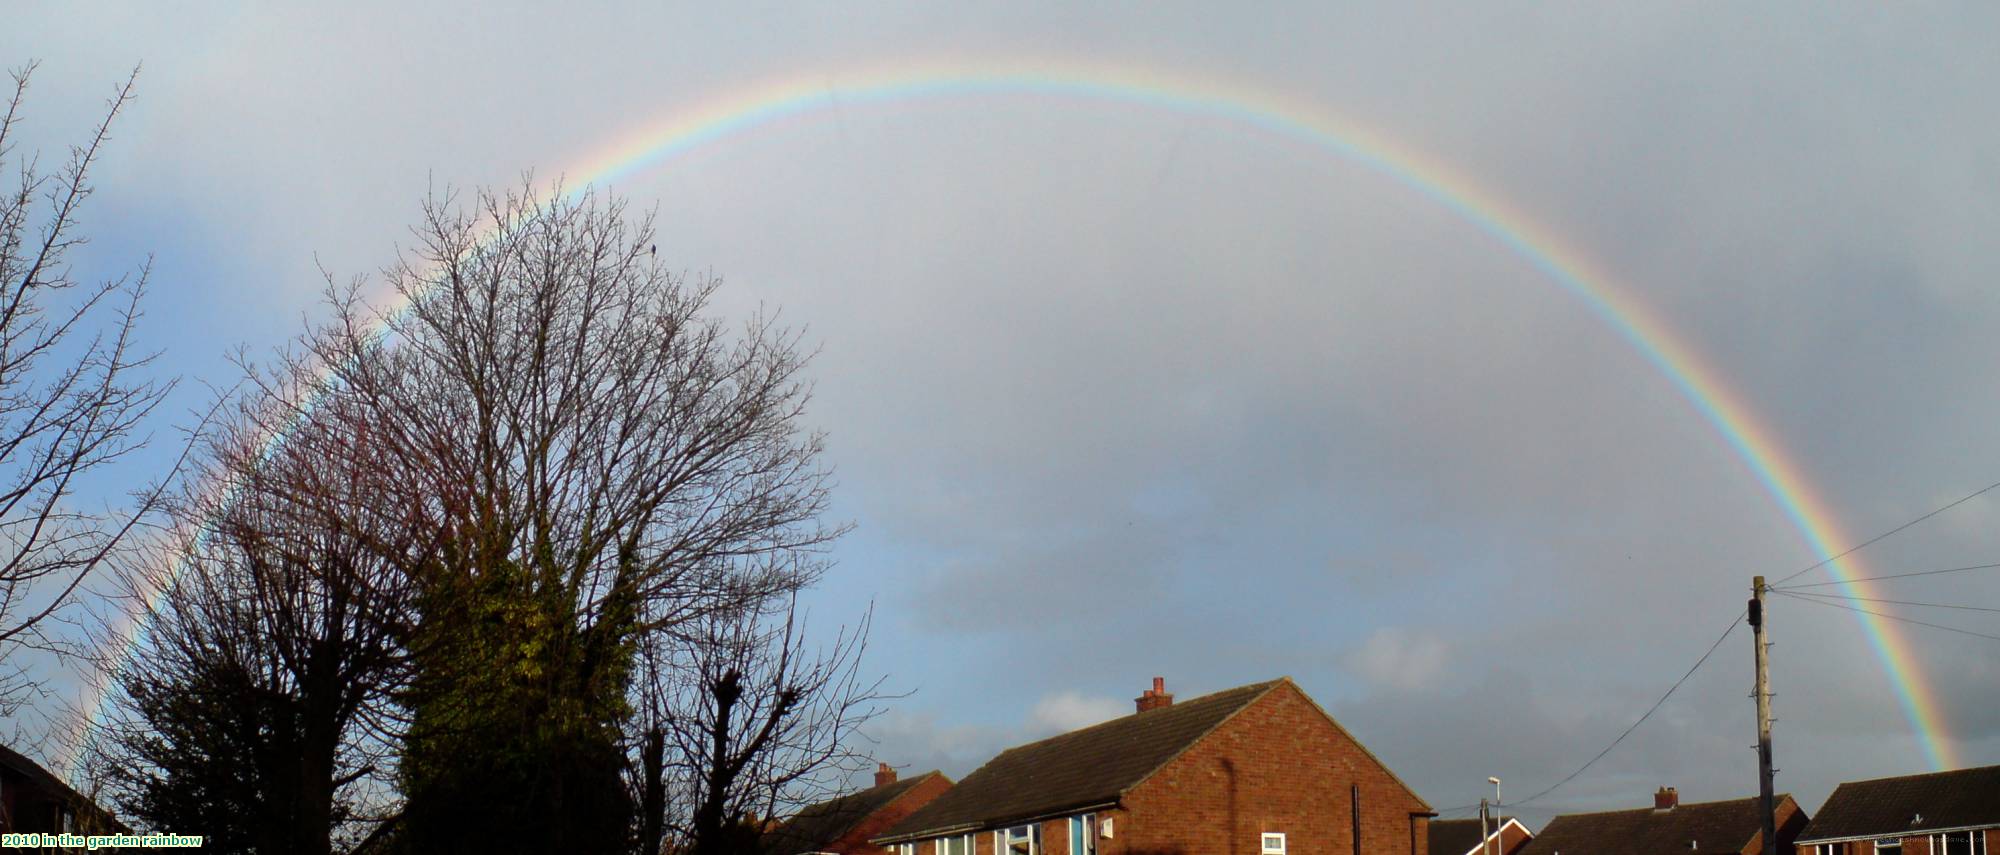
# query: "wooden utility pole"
1763,692
1482,826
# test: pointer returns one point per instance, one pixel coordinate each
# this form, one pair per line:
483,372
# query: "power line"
1642,719
1870,541
1806,597
1898,618
1542,809
1890,576
1894,602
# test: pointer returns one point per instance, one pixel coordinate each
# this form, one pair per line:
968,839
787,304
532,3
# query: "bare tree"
522,539
274,654
587,460
740,721
69,398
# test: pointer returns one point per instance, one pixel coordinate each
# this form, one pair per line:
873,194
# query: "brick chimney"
884,774
1666,799
1155,697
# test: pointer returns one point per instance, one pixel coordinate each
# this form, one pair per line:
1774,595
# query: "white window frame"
1975,842
1003,839
971,846
1889,846
1265,843
1083,834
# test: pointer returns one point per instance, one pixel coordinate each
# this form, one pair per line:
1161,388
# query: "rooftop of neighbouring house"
818,826
1459,836
1082,768
1668,828
1910,804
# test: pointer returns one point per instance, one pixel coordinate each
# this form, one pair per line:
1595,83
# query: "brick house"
1669,828
33,800
1941,813
1462,837
1254,770
843,825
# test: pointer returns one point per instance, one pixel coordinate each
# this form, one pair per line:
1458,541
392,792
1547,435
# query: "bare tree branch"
70,398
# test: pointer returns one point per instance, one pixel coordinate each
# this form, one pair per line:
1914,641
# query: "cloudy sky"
1118,388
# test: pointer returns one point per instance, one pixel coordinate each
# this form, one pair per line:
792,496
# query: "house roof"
1703,827
33,771
818,826
1911,804
1082,768
52,785
1459,836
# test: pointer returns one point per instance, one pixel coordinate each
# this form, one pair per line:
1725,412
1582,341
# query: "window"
1828,849
960,845
906,849
1959,843
1019,840
1083,834
1274,843
1889,846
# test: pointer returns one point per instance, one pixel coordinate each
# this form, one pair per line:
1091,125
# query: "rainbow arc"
1735,423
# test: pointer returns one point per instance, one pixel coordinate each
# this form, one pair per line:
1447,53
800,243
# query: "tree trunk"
653,805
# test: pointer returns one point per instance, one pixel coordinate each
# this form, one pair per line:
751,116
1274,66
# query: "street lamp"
1496,817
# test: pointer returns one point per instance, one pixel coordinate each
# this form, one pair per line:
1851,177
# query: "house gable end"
1211,731
1358,744
1277,766
1085,768
1291,690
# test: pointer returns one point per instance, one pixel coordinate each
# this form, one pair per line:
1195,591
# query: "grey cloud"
1116,391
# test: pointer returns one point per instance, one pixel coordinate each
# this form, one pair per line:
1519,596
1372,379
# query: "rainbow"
1747,438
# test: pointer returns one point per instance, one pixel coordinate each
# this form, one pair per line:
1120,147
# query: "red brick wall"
1279,765
855,842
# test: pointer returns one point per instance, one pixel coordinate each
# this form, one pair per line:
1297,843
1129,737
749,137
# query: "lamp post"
1496,817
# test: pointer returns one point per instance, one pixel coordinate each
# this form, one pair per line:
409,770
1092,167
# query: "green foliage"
517,715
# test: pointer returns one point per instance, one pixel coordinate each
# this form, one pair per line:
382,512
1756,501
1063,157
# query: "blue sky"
1117,392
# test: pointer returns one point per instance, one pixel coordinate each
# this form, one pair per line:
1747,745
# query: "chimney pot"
884,774
1666,799
1155,697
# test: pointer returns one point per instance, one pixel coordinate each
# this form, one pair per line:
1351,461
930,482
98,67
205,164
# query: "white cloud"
1069,710
1400,658
917,741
